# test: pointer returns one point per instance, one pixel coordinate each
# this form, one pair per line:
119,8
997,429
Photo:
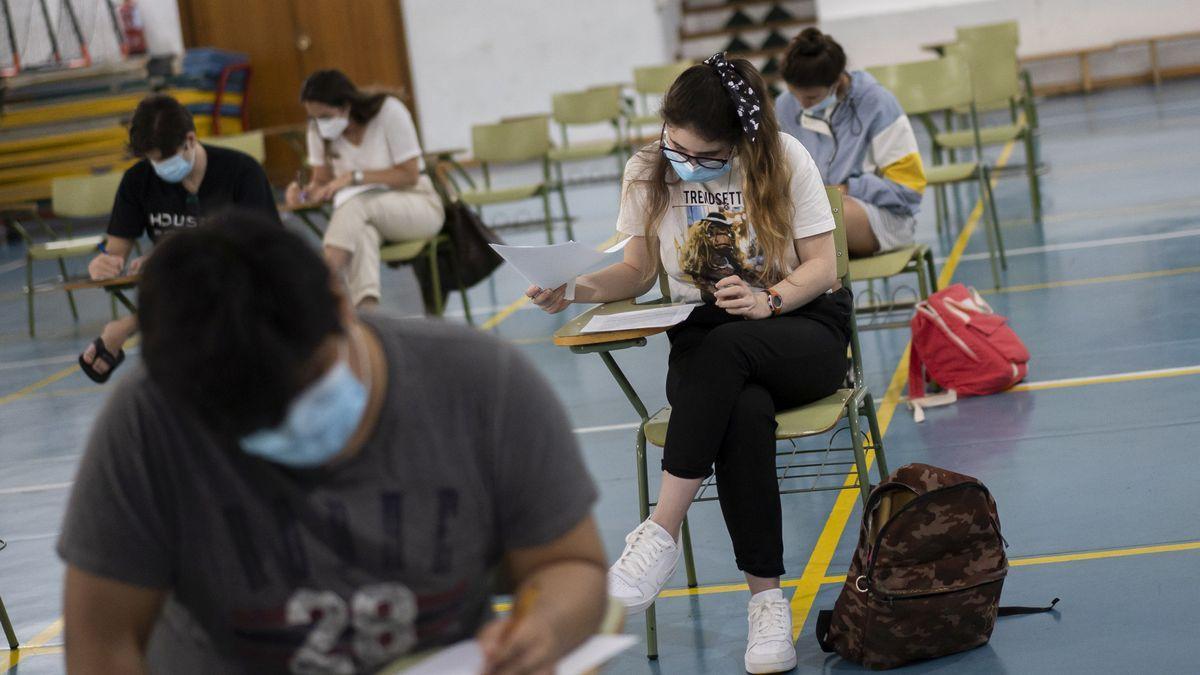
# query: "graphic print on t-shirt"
718,242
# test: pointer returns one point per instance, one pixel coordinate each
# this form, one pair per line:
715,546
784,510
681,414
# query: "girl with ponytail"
734,212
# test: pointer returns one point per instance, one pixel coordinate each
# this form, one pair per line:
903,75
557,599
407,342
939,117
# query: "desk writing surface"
571,334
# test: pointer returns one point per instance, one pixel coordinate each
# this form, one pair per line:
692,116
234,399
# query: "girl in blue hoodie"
860,138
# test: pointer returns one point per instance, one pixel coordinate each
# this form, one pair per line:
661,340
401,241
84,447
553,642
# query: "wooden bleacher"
1087,83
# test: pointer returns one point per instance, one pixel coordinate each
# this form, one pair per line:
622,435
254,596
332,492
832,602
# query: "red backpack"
964,346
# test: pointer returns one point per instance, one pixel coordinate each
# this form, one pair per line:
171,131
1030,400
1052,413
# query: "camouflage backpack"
925,579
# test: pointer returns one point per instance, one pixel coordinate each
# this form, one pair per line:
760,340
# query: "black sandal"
104,355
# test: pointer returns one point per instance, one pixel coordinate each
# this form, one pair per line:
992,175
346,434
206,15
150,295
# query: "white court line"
26,489
10,266
1095,243
608,427
49,360
1074,119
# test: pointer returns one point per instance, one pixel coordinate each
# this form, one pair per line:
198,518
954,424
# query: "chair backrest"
592,106
251,143
658,79
89,196
995,72
515,141
927,86
839,235
1006,32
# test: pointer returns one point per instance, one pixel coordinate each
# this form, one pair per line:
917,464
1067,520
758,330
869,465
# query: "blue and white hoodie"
864,141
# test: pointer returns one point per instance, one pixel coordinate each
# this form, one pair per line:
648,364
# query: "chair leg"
988,229
860,453
1035,188
689,561
922,280
562,200
112,300
876,436
462,289
435,277
29,293
546,213
62,268
937,211
933,278
9,633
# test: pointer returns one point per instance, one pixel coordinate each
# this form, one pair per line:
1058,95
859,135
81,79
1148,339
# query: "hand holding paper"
552,266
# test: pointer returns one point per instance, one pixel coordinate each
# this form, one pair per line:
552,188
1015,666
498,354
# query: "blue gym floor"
1090,462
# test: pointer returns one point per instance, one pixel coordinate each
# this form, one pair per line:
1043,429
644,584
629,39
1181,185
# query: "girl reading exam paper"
735,212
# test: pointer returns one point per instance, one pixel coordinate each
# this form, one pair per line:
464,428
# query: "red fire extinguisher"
134,27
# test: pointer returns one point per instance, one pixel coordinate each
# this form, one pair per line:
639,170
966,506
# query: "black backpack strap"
1006,611
824,619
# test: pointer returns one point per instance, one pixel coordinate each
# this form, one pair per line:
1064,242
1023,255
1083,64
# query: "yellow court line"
44,382
1107,379
817,567
520,302
1136,276
35,646
1082,555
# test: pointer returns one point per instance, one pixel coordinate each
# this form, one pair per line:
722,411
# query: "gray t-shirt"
332,570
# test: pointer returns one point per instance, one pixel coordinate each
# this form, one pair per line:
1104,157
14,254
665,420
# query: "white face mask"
330,128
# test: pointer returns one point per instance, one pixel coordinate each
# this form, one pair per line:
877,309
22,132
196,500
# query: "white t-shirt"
705,236
390,138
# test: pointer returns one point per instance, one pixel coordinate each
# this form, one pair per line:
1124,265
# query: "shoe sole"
639,607
773,667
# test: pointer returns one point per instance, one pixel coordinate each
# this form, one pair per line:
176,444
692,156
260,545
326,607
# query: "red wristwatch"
774,301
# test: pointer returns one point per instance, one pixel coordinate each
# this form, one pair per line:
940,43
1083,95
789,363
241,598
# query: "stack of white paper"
659,317
552,266
465,658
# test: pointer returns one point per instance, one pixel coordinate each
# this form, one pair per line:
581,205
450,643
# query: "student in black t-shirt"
178,181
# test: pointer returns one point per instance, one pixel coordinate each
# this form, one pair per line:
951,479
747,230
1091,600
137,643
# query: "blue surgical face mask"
824,104
699,174
318,424
175,168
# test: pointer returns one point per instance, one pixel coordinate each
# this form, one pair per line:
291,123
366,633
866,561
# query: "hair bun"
810,42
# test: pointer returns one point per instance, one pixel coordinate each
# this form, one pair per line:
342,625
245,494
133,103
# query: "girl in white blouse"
366,159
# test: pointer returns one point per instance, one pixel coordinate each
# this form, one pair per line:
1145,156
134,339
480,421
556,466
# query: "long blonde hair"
698,101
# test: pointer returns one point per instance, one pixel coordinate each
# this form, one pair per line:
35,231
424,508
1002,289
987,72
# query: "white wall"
888,31
475,62
161,17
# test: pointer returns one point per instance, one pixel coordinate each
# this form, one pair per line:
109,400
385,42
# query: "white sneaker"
648,561
769,646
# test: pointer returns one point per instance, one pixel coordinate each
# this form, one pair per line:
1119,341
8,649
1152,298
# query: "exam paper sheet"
658,317
465,658
554,265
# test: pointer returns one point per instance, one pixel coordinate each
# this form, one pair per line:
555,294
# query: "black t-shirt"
146,204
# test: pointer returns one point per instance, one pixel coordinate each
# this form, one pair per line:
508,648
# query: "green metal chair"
651,81
595,106
252,143
1005,33
995,77
510,142
916,259
851,403
71,197
923,89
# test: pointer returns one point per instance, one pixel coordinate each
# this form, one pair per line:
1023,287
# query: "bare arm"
630,278
107,624
569,577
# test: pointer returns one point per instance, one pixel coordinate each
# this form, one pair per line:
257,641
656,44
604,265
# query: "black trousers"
726,379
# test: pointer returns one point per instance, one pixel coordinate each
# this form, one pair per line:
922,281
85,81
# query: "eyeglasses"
674,155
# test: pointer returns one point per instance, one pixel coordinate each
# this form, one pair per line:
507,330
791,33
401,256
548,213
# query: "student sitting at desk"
289,487
735,213
366,159
178,180
860,138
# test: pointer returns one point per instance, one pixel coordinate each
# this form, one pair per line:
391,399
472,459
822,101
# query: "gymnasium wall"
888,31
477,61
